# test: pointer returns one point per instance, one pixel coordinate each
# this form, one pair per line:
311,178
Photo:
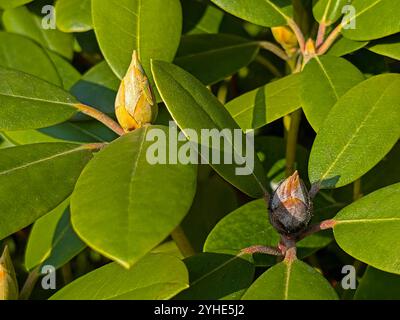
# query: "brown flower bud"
290,206
8,280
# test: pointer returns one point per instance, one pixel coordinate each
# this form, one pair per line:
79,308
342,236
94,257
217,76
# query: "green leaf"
97,88
211,277
385,173
52,240
27,102
364,124
9,4
193,106
374,19
44,175
345,46
324,80
152,27
291,281
68,74
366,229
18,52
117,207
328,11
248,226
264,105
267,13
213,57
389,47
154,277
21,21
378,285
200,17
74,15
214,199
78,132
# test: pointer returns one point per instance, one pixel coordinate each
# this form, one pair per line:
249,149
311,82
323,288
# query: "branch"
269,46
324,225
260,249
264,62
330,40
29,284
100,116
299,34
182,242
321,34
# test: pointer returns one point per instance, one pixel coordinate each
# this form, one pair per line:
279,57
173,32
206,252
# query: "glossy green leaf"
154,277
214,199
97,88
385,173
211,277
248,226
374,19
264,105
328,11
193,106
44,175
9,4
27,102
324,80
68,74
18,52
367,229
345,46
267,13
291,281
74,15
378,285
117,207
152,27
21,21
78,132
213,57
52,240
389,47
358,127
199,17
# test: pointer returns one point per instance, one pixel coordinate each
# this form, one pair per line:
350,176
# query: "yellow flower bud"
8,280
135,104
286,38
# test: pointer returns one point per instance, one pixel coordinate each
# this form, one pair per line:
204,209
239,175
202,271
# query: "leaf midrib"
32,163
214,122
362,124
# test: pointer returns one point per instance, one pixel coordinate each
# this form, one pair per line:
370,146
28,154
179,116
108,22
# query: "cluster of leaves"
92,196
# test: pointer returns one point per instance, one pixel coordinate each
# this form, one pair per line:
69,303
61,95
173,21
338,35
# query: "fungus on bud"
135,105
290,206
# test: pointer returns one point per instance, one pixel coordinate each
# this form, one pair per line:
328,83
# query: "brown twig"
299,34
323,225
100,116
330,40
269,46
274,251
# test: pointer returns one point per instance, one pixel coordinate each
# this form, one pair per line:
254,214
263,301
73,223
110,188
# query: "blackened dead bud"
290,206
